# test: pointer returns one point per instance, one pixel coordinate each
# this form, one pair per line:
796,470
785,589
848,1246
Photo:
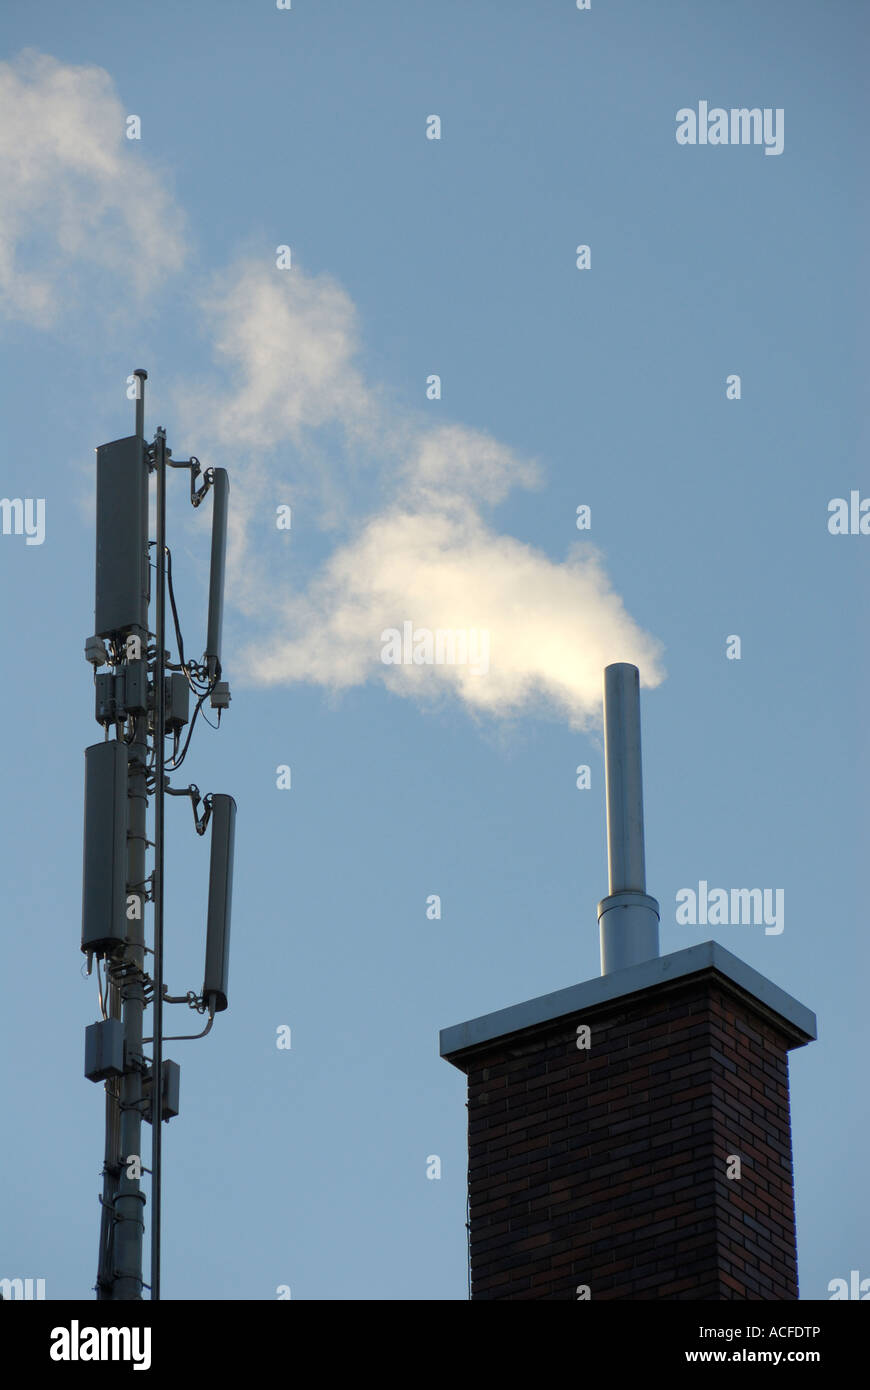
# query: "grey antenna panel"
220,895
220,503
104,887
123,574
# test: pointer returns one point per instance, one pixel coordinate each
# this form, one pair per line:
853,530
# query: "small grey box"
104,698
171,1089
136,687
171,1092
177,710
104,1049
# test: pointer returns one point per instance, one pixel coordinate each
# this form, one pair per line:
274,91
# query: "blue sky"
560,387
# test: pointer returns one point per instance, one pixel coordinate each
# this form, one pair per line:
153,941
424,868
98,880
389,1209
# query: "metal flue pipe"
628,919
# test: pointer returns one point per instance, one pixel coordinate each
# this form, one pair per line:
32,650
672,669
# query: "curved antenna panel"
220,504
220,894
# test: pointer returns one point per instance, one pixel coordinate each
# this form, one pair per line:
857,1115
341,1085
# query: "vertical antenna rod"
159,806
125,1249
628,919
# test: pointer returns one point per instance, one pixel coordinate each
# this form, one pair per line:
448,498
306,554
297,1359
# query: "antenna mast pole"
159,807
143,695
124,1273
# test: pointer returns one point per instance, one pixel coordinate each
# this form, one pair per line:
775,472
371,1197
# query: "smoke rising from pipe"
426,554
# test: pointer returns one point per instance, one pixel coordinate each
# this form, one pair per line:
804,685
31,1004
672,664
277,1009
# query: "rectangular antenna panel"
220,504
104,879
123,574
220,894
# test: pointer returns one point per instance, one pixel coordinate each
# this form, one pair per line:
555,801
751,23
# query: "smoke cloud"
426,554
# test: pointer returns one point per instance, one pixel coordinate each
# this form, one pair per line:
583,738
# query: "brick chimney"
599,1160
630,1137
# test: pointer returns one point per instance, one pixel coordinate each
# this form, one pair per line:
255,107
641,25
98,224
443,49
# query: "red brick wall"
607,1167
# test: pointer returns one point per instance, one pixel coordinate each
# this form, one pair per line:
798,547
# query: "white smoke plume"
426,554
